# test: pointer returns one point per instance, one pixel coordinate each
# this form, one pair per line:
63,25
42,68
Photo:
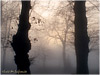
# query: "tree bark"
81,37
21,43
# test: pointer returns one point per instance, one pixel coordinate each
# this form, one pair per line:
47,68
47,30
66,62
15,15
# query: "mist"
48,26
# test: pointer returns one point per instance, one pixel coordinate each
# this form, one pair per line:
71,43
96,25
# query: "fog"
53,62
46,54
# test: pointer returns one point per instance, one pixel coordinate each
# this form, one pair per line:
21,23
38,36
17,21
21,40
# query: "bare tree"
81,37
21,43
8,16
61,26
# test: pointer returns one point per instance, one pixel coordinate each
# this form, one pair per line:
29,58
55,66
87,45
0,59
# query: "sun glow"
45,14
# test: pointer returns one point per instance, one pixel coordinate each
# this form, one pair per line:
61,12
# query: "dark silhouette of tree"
21,43
81,37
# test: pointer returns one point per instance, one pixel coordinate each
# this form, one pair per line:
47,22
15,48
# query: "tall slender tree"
81,37
21,43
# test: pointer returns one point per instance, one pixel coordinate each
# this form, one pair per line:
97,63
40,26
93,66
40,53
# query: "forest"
50,37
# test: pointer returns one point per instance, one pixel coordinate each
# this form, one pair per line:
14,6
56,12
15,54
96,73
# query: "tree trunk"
64,57
21,43
81,37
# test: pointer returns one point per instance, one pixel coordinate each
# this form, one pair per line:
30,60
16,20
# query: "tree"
61,27
21,43
9,15
81,37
